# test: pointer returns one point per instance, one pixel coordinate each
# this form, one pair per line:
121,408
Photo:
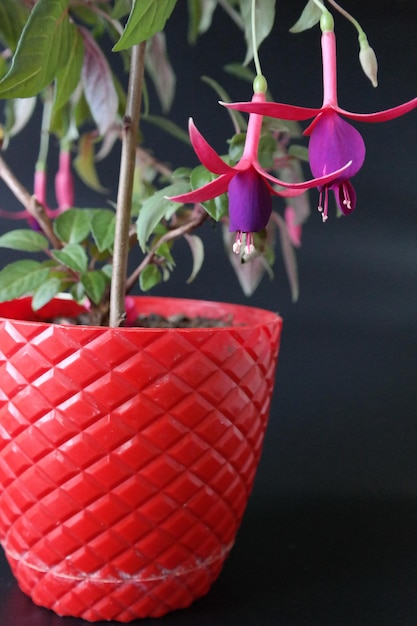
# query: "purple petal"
207,155
345,196
273,109
333,143
250,202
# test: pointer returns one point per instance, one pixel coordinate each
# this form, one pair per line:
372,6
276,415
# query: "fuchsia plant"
86,110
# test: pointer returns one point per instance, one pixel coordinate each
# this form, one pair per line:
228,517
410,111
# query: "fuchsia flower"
333,141
248,185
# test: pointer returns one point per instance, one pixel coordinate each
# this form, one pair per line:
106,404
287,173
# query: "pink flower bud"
64,184
294,229
39,186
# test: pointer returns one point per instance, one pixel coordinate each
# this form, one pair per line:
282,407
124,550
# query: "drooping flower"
333,141
249,186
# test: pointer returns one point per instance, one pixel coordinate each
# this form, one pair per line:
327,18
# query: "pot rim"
243,314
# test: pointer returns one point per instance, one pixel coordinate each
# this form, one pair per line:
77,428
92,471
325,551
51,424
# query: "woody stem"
124,196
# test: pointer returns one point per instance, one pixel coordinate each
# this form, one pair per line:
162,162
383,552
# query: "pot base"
125,599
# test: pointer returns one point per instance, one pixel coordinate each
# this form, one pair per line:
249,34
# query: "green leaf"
25,240
217,207
103,224
107,270
13,16
236,146
21,278
266,150
164,252
168,126
84,163
45,292
68,76
95,284
120,9
194,18
150,277
72,256
298,152
200,15
18,113
197,250
309,17
264,21
146,18
72,226
42,49
236,117
240,71
157,207
208,8
77,292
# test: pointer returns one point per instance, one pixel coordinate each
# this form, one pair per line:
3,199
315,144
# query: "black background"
330,534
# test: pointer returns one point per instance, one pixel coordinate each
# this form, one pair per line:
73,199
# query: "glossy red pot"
127,455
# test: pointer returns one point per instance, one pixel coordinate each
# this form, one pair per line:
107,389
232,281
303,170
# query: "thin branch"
31,204
151,161
126,176
171,235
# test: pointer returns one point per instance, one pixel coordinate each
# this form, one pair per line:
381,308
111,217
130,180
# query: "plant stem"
32,206
46,121
348,16
124,196
254,40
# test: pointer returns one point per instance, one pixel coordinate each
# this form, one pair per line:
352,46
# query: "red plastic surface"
127,456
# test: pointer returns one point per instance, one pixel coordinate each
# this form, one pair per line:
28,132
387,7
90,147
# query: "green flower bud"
326,21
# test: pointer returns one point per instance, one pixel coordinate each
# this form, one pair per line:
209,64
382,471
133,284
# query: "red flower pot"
127,455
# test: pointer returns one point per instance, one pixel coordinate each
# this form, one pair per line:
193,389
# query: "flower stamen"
238,242
249,245
346,198
323,207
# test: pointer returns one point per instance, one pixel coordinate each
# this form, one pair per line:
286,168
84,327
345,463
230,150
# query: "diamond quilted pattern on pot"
12,380
112,349
13,337
81,409
55,343
169,350
29,363
127,462
111,390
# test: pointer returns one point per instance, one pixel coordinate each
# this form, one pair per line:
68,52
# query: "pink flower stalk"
247,183
64,183
39,191
64,189
333,142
